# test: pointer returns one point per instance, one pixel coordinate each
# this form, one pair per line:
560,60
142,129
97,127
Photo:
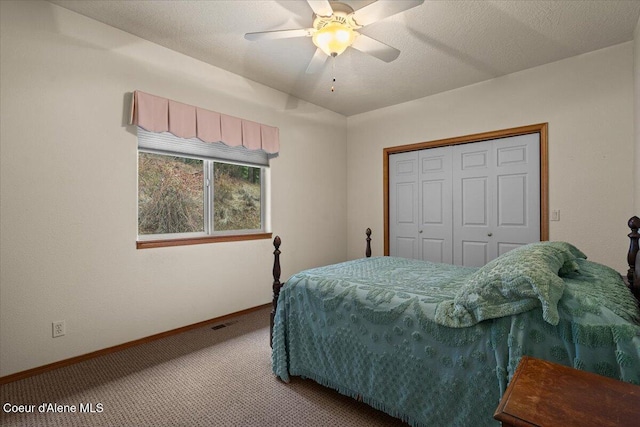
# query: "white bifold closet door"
465,204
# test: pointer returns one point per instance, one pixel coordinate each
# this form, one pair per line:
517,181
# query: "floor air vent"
224,325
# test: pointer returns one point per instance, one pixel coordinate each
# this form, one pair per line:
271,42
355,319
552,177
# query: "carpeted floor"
204,377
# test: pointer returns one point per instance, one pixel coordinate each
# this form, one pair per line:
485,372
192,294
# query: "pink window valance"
157,114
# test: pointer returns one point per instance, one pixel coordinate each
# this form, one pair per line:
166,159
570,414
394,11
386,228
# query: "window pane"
236,197
170,194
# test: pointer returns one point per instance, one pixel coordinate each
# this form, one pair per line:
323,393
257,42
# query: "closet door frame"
540,129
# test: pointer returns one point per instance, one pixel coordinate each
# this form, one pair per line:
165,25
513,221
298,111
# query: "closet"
465,203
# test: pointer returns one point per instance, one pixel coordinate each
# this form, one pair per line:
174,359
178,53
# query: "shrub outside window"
183,196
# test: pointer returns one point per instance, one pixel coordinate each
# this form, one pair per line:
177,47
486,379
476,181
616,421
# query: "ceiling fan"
335,26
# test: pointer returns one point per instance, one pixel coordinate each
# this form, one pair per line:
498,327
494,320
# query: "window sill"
148,244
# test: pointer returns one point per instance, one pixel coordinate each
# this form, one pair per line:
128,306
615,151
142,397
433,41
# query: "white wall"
68,217
636,80
587,101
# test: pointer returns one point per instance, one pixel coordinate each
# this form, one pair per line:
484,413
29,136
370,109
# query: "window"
202,176
189,197
194,196
237,197
171,194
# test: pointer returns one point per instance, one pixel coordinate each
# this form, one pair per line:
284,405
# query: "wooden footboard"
633,274
276,282
277,271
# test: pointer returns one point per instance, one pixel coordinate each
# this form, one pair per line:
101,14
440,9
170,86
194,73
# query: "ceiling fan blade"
279,34
375,48
321,7
382,9
317,61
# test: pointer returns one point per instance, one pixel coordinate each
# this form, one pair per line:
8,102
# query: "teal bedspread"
380,329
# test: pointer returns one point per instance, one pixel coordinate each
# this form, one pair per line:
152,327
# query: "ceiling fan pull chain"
333,72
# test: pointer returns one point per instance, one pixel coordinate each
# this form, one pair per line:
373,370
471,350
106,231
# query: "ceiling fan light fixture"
334,38
335,28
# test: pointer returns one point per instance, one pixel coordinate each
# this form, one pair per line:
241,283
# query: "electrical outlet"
58,329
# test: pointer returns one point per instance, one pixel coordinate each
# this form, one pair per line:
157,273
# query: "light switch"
555,215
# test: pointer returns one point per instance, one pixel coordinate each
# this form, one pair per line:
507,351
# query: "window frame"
209,235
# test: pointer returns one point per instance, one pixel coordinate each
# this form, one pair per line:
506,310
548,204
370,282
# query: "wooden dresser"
545,394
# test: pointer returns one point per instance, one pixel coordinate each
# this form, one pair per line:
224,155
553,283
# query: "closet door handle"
490,234
420,231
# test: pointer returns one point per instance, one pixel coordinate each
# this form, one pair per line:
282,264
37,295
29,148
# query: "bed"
436,344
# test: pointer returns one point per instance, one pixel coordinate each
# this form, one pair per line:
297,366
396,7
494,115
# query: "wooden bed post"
276,284
634,225
367,252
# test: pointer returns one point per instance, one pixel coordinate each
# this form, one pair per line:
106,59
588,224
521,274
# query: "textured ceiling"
444,44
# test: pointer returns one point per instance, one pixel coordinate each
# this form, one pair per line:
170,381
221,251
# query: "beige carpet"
204,377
